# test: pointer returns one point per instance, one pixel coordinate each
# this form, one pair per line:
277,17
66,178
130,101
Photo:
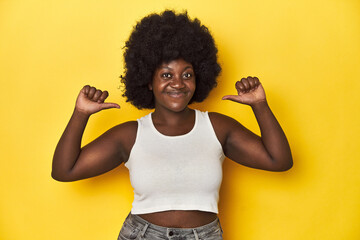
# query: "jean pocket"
213,233
216,235
128,232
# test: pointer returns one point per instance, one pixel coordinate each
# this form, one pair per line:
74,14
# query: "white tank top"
176,172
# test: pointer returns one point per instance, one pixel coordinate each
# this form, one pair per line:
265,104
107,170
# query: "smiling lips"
176,94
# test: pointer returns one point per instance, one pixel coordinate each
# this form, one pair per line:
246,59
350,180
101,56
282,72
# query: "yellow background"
306,53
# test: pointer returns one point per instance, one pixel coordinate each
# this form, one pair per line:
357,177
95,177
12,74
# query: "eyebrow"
172,69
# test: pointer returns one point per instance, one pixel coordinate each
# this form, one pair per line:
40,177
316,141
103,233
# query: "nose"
177,82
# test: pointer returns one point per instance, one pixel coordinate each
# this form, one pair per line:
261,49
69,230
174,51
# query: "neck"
170,117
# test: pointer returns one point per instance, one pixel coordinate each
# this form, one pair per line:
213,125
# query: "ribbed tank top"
175,172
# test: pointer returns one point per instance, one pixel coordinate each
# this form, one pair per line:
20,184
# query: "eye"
166,75
187,75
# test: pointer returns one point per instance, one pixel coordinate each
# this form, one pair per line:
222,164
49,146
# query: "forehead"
175,64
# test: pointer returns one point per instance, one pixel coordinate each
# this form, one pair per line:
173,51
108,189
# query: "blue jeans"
135,227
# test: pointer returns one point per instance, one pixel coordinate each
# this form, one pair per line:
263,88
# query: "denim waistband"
169,232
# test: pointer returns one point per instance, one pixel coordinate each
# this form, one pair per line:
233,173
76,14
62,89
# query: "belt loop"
144,230
196,235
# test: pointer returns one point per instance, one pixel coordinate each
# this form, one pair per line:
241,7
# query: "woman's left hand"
250,91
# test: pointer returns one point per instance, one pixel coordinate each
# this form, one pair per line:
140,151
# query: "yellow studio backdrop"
306,53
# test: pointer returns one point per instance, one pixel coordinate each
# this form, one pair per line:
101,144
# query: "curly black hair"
164,37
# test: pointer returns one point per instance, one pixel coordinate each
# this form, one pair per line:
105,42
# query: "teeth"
176,94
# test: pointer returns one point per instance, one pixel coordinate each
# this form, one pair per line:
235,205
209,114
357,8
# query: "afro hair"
164,37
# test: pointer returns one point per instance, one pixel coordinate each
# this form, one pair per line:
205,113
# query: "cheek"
159,88
192,85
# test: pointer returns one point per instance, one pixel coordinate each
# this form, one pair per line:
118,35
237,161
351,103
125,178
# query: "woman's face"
173,85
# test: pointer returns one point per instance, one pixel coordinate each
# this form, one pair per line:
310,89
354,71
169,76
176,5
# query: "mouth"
176,94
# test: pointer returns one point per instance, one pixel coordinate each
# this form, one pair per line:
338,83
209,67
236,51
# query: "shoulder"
127,128
123,136
223,125
123,133
221,120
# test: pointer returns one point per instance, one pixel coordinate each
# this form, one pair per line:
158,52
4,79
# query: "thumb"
235,98
109,105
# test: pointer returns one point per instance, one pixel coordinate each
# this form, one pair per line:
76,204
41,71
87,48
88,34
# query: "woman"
174,154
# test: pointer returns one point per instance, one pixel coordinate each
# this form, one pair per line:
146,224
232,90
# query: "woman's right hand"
91,100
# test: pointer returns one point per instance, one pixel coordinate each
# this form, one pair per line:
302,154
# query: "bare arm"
70,162
271,151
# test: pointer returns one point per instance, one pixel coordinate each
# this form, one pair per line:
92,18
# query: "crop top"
175,172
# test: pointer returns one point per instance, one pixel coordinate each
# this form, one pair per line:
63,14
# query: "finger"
109,105
97,95
240,87
257,81
85,89
251,81
103,96
91,93
234,98
246,84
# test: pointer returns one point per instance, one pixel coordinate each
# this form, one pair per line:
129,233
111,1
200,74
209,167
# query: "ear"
150,86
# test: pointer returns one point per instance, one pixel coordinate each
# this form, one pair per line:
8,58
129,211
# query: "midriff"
179,218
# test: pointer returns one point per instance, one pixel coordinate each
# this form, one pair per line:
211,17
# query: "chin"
173,104
178,108
175,107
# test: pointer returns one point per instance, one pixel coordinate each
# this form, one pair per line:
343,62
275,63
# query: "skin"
173,86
